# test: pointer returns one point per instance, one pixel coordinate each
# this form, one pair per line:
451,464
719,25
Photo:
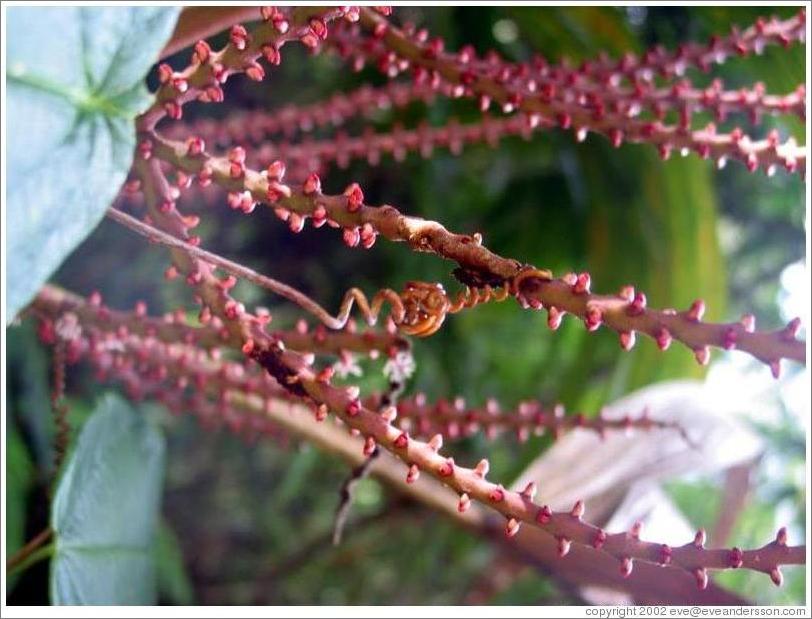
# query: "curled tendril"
419,310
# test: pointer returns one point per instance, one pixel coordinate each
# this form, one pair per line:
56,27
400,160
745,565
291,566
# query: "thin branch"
17,559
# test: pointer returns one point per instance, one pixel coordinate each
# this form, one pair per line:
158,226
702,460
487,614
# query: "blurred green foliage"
253,522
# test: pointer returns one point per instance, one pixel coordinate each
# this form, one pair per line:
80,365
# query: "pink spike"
702,355
464,503
626,566
497,495
564,545
781,536
355,197
436,442
665,554
413,474
599,540
529,491
593,319
791,330
636,529
545,515
512,527
748,321
582,284
482,468
626,293
369,446
696,311
700,538
577,509
701,575
554,317
663,338
776,576
736,558
312,184
446,468
627,340
638,304
775,368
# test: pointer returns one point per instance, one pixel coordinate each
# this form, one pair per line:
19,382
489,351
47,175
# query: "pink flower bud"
413,474
554,317
353,408
202,52
312,184
355,197
464,503
239,37
735,558
165,73
638,304
512,527
627,340
626,567
195,146
352,237
663,339
593,319
497,495
271,54
446,468
696,311
254,71
276,170
545,515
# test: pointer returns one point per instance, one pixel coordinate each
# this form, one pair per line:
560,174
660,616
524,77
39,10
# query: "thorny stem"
52,302
766,154
293,372
202,79
59,408
625,312
175,362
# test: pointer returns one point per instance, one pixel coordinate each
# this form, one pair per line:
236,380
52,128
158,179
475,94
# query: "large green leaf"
74,83
105,511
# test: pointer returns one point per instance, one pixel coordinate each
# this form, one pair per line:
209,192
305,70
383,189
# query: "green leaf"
106,509
173,582
19,477
74,84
